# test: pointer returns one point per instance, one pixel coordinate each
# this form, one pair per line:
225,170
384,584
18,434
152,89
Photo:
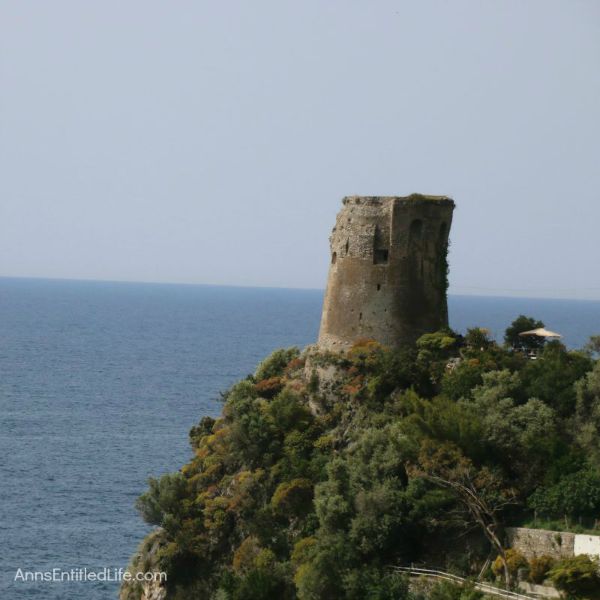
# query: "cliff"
325,468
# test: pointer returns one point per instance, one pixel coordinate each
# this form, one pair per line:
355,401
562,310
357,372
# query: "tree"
163,498
365,493
551,378
293,497
522,436
375,583
587,414
519,325
321,575
593,346
478,338
434,350
436,346
481,491
576,495
460,381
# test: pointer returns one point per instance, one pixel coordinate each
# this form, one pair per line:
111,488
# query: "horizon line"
488,292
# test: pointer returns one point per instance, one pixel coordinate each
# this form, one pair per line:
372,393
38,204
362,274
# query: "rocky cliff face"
146,561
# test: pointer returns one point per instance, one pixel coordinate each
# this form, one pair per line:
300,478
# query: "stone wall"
537,542
558,544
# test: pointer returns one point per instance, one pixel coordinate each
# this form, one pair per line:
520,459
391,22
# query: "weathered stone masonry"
387,279
557,544
538,542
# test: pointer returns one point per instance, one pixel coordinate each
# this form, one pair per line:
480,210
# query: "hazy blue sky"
211,142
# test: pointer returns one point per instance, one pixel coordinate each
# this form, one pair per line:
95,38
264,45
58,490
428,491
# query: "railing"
482,587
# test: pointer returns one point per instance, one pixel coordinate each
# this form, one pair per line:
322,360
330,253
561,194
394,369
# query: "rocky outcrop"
145,560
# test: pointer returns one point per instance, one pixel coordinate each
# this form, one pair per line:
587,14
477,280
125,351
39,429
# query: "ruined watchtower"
388,274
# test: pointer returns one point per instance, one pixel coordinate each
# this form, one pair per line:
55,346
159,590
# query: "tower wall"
387,278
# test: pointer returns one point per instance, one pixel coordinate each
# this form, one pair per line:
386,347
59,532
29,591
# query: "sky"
212,142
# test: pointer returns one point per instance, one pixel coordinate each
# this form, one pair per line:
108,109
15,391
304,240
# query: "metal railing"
482,587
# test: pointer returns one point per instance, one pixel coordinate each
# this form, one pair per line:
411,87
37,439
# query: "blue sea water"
101,382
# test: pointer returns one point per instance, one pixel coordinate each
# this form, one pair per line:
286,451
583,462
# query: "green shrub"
163,498
539,566
269,388
274,365
446,590
478,338
515,560
293,497
302,550
578,576
245,555
375,584
197,432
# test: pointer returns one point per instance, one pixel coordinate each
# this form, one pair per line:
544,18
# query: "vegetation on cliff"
325,470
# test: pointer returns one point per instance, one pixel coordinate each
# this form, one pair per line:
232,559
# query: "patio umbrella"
541,332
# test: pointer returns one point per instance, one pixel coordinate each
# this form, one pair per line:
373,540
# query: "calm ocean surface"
100,383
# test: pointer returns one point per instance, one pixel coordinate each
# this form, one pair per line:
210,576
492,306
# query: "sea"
100,383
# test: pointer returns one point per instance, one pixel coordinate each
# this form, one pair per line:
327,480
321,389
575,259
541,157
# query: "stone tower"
388,275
